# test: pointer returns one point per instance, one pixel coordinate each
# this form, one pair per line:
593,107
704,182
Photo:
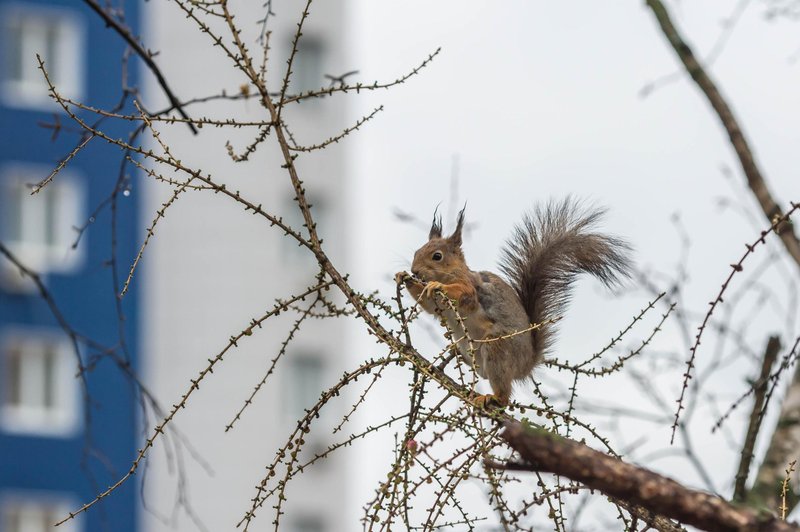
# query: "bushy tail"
548,250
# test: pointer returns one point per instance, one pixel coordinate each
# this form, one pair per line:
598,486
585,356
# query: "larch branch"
544,451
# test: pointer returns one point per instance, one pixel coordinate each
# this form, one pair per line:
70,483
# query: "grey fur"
546,253
501,361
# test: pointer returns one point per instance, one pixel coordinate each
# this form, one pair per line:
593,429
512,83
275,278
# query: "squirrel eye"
437,255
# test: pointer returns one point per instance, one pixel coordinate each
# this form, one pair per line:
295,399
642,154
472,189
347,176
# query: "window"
307,66
308,523
305,383
39,387
57,36
34,515
39,228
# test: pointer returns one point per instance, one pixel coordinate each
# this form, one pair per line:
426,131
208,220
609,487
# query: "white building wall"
212,268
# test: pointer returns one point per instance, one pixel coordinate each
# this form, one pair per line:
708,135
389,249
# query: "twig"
785,488
146,56
735,268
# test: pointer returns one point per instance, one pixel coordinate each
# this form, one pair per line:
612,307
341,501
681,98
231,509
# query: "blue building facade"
64,438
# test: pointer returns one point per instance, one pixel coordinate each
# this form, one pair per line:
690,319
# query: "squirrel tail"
548,250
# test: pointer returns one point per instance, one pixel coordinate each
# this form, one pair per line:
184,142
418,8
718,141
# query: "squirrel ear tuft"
436,225
455,238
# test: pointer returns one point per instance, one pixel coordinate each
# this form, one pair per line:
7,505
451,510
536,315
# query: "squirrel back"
546,253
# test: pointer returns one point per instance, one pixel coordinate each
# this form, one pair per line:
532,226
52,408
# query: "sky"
539,100
530,101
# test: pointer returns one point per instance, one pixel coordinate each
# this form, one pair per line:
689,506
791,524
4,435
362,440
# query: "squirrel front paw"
402,277
431,287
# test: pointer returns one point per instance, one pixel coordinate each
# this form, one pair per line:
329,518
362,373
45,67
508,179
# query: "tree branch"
144,54
544,451
756,416
755,179
783,448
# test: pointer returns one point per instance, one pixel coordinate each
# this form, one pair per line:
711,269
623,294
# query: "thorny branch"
146,56
446,443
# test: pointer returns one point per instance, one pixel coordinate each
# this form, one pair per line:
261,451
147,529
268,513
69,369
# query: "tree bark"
547,452
783,448
756,417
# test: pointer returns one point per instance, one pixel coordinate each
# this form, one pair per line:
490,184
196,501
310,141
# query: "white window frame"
40,248
59,419
35,507
67,68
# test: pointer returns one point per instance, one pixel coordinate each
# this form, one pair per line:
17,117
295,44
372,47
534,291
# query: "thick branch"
783,448
755,179
756,416
546,452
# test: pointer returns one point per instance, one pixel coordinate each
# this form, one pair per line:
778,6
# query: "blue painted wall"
98,454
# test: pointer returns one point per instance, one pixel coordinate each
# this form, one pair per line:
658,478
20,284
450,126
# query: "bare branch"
146,56
735,268
760,387
783,448
755,178
544,451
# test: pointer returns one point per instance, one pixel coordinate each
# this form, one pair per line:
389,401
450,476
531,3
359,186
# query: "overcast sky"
538,100
542,99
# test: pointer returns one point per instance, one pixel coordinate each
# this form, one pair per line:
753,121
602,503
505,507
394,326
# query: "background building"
58,450
527,101
213,267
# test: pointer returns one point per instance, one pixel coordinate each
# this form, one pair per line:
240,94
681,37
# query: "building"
58,450
212,267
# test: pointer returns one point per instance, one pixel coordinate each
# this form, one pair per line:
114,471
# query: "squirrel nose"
414,272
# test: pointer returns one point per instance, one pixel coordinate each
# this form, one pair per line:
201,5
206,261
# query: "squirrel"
510,321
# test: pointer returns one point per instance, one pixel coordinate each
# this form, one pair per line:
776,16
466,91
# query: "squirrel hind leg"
500,396
499,368
488,401
501,391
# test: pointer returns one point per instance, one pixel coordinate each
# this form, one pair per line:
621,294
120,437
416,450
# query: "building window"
40,390
308,523
40,229
34,515
307,66
57,36
305,382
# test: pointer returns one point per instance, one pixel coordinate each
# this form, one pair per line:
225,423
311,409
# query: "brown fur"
546,253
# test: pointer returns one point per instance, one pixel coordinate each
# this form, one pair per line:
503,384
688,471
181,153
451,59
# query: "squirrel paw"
488,401
402,277
430,287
